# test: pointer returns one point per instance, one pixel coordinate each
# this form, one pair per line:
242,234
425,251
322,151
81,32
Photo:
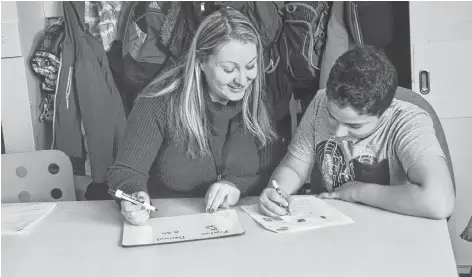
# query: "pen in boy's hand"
277,189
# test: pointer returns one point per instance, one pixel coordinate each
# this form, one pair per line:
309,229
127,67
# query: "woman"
202,128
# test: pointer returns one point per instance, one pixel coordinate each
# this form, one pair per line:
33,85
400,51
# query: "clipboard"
165,230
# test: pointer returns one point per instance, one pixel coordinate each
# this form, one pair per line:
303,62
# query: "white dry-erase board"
183,228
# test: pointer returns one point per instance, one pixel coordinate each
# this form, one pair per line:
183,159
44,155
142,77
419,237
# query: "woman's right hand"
273,204
136,214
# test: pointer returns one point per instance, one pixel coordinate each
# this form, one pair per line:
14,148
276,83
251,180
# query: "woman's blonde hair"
183,84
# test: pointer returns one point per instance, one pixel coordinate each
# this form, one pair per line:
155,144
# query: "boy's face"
348,124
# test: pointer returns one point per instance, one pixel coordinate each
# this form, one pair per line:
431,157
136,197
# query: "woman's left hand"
221,194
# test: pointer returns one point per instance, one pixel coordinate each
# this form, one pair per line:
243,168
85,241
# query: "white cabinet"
16,111
441,44
440,21
449,66
23,24
52,9
17,121
10,40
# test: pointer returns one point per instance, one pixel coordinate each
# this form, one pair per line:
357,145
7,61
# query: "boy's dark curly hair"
364,79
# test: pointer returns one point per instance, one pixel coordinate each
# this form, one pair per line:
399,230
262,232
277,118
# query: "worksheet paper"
161,230
18,218
306,212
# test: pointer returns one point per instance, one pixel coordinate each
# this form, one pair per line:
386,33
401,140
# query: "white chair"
39,176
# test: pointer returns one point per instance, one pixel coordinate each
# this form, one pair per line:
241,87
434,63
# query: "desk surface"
84,239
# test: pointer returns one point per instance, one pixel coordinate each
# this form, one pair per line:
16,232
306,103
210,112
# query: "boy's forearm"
287,179
409,199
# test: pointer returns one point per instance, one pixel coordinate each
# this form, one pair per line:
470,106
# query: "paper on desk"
17,218
306,212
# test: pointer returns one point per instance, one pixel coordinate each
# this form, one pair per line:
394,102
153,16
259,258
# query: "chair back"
39,176
412,97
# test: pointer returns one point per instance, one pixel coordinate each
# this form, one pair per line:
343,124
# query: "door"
441,43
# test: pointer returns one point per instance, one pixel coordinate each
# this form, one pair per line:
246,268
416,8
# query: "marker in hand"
121,195
277,189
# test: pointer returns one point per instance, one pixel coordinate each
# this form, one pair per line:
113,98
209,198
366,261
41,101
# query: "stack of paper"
17,218
306,212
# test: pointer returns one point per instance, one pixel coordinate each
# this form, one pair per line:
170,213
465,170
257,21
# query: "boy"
369,147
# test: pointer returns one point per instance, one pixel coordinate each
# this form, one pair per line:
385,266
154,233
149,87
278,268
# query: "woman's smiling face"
231,71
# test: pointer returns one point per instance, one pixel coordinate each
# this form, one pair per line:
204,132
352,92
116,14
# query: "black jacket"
370,22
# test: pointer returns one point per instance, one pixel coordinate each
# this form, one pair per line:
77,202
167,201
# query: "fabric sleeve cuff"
233,179
299,155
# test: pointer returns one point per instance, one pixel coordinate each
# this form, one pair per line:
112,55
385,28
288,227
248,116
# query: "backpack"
151,37
45,63
145,40
45,60
304,35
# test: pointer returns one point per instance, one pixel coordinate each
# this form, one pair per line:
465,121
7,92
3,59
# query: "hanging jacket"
370,22
101,19
87,94
355,23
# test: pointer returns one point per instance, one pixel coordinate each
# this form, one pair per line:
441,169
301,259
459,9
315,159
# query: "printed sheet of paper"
306,212
17,218
160,230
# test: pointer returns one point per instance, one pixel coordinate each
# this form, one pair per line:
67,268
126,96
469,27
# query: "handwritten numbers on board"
171,232
171,236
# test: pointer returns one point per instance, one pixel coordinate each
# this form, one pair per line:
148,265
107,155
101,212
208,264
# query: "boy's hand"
349,192
272,204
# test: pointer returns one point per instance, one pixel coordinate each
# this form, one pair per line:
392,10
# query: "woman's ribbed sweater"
147,160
